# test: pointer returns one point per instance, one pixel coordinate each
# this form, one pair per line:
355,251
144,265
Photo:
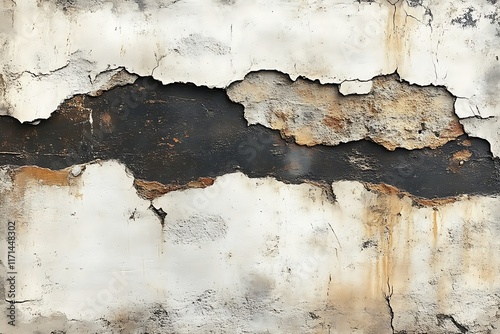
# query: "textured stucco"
391,113
232,166
53,49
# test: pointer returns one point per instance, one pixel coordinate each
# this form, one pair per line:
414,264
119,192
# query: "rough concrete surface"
247,255
394,114
231,166
59,44
182,135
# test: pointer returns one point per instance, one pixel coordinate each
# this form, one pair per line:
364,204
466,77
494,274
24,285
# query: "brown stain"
382,214
458,159
385,210
392,44
43,176
466,143
383,188
151,190
453,131
333,122
462,155
434,226
74,109
394,114
106,122
29,176
304,136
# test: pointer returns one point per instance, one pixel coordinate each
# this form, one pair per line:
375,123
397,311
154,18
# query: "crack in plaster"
10,301
159,213
387,297
396,6
441,317
87,128
395,34
260,292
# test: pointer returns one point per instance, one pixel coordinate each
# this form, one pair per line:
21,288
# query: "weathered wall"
249,166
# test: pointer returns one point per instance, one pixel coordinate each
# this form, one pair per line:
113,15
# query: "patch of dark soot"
178,133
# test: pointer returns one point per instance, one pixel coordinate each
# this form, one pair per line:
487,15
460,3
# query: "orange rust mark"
383,188
462,155
458,159
454,130
333,122
176,140
434,225
106,122
466,143
152,189
381,216
202,182
433,201
44,176
74,109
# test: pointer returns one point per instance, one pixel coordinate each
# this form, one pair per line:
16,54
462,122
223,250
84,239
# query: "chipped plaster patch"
49,89
355,87
424,41
394,114
484,128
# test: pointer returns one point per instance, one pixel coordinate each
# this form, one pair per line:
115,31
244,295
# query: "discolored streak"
181,135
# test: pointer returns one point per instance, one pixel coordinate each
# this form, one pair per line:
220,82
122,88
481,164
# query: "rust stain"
383,188
333,122
106,122
151,189
202,182
434,226
462,155
43,176
452,131
466,143
382,214
458,159
433,202
75,110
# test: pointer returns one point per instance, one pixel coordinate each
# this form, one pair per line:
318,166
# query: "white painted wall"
246,255
250,255
50,53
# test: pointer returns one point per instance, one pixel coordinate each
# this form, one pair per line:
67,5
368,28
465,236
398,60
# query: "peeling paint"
220,263
152,189
426,43
226,166
176,134
42,176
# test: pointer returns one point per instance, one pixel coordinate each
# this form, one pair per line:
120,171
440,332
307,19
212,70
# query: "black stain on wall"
177,133
467,19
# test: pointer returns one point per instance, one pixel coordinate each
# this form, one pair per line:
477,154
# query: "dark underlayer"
178,133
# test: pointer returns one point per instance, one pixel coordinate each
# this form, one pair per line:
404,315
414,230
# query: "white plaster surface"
246,255
355,87
49,48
